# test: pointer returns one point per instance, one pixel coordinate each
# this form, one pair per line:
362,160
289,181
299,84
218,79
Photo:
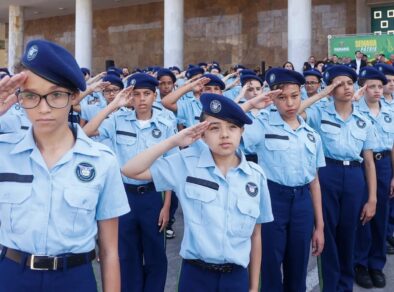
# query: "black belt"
343,162
149,187
220,268
49,263
380,155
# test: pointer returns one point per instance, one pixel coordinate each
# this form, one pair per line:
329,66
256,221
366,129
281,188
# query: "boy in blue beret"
312,83
143,260
63,188
222,195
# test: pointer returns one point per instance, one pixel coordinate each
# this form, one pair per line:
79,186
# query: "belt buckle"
141,189
32,267
346,162
378,156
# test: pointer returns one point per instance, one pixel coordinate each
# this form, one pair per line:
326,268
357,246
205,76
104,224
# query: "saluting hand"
123,98
265,99
330,88
8,86
190,135
359,93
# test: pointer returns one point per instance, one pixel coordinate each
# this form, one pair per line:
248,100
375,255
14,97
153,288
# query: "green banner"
345,46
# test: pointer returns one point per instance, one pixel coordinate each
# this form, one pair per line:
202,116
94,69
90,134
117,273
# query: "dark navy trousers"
370,250
390,225
142,254
286,241
196,279
17,277
343,191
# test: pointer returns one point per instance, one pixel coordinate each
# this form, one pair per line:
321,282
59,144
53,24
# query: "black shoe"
362,277
390,240
378,278
390,249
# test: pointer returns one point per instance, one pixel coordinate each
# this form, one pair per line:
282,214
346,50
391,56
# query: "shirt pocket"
388,133
15,207
200,198
79,211
278,145
330,132
244,218
311,152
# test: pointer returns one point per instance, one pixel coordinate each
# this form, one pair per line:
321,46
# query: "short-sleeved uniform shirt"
55,211
220,212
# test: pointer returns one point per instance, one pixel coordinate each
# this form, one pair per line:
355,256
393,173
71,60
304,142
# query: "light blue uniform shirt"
249,136
390,104
89,111
233,92
220,212
342,140
129,138
383,125
54,211
162,111
288,157
189,111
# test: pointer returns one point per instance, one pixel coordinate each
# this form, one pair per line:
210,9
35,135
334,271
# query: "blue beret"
223,108
142,81
114,79
215,63
202,64
136,70
217,67
239,66
191,66
352,65
247,72
5,70
115,70
53,63
85,71
193,71
372,73
339,70
248,77
313,72
385,68
175,68
166,72
215,81
327,66
277,76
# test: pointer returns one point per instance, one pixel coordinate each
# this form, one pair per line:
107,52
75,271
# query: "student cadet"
387,99
142,254
58,188
346,134
221,194
370,251
312,83
189,110
290,152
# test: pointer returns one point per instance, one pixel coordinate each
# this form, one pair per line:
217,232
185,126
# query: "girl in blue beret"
224,198
58,188
290,152
370,253
348,140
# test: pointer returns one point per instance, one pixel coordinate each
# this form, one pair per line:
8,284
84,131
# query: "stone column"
83,32
363,17
15,36
173,33
299,28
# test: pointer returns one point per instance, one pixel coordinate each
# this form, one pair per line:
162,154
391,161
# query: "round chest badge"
85,172
215,106
156,133
361,124
32,53
252,189
272,78
311,137
387,119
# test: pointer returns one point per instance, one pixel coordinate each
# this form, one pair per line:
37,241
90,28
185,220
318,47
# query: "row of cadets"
388,99
142,254
370,252
348,139
58,188
217,188
290,152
